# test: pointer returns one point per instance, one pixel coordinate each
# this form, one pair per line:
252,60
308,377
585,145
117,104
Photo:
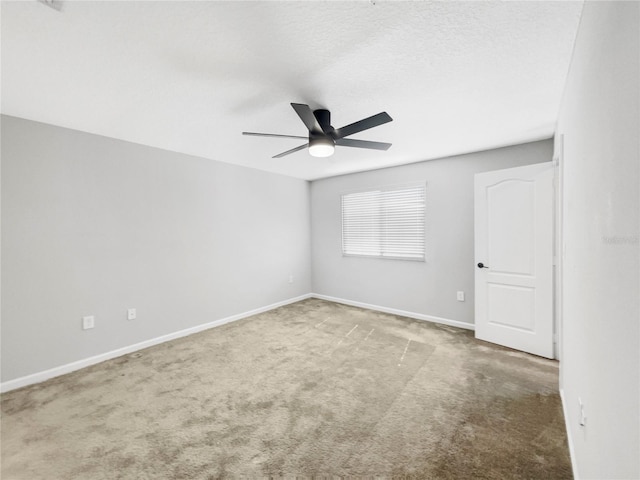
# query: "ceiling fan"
55,4
323,138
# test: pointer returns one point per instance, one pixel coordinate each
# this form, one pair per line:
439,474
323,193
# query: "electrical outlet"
88,322
460,296
290,278
131,314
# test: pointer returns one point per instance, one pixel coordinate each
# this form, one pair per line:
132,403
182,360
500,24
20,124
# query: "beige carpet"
313,389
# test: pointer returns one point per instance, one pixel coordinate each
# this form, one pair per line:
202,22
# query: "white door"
514,258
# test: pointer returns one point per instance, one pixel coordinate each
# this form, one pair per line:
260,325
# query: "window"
385,223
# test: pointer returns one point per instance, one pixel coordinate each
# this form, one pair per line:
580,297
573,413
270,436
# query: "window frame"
387,188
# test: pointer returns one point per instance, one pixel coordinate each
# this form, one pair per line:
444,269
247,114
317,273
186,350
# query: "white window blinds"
386,223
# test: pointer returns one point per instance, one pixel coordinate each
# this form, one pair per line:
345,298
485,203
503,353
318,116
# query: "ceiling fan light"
321,147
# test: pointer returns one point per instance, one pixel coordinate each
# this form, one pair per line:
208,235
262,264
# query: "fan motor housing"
324,119
321,138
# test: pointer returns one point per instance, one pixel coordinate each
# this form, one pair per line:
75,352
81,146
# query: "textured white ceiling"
191,76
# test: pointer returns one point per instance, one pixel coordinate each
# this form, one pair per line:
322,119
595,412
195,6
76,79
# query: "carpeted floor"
312,389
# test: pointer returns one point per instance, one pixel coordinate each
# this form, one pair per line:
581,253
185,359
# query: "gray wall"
93,226
426,288
600,343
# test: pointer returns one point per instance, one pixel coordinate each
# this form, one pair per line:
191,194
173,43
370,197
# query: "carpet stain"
298,391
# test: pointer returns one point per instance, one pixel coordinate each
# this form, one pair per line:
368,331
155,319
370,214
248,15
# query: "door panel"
512,253
514,241
511,306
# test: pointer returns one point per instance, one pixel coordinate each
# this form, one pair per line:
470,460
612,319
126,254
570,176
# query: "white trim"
395,311
86,362
572,453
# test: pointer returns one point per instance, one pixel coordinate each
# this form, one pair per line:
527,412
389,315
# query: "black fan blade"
307,116
365,124
352,142
272,135
293,150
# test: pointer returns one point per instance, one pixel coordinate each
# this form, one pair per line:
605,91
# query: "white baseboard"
572,453
395,311
73,366
86,362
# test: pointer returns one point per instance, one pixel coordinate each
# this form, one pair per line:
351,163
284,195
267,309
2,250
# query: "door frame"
558,254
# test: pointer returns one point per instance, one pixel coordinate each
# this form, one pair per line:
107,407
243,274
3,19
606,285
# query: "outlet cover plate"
88,322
